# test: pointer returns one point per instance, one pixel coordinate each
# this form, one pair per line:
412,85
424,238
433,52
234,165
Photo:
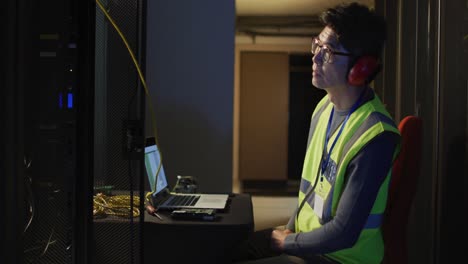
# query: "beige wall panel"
263,122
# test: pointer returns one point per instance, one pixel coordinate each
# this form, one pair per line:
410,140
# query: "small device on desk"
194,214
186,184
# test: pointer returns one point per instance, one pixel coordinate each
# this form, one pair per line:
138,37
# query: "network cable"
143,82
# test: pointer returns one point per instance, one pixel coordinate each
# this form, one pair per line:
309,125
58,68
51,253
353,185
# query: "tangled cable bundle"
117,205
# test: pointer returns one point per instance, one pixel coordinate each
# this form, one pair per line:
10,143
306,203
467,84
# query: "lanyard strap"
353,108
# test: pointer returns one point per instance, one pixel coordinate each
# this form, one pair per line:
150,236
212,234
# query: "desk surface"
238,212
179,241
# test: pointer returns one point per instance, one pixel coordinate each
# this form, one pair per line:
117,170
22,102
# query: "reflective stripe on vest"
315,118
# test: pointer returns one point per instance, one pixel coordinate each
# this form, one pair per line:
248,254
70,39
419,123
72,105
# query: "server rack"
52,154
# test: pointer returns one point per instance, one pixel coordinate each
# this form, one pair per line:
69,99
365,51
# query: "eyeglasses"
328,53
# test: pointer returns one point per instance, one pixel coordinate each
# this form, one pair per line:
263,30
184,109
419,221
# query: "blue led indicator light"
70,101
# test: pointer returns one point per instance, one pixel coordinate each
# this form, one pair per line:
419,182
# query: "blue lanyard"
355,106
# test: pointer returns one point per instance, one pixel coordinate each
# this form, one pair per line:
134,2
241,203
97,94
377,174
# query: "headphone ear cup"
363,70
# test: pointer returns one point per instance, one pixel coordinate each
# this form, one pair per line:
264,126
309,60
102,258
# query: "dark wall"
190,68
425,75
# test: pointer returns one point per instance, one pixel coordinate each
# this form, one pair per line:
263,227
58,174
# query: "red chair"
403,186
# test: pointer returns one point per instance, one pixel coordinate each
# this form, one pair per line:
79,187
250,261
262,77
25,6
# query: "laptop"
163,198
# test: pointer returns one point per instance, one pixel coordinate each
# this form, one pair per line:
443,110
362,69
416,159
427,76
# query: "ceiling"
288,7
295,18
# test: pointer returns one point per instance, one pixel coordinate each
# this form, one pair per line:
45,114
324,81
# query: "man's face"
331,74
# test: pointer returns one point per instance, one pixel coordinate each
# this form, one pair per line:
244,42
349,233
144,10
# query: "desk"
181,241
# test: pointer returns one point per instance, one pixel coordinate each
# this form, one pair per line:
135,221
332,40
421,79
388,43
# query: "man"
352,144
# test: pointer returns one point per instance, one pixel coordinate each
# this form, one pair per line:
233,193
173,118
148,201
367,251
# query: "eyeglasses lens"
316,49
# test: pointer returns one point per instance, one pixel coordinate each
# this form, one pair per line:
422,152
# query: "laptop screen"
152,160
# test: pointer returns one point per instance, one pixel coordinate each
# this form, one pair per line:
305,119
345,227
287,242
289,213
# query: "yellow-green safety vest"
364,124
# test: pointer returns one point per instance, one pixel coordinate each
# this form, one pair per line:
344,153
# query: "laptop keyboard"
184,200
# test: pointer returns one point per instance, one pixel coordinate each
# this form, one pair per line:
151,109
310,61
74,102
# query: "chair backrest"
403,186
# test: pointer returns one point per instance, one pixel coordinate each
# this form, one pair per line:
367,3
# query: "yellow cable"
118,205
143,82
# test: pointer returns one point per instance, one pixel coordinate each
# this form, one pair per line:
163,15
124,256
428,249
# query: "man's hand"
277,239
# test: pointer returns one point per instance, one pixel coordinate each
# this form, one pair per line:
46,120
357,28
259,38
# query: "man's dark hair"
360,30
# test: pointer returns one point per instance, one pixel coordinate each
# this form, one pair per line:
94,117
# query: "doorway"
303,97
276,103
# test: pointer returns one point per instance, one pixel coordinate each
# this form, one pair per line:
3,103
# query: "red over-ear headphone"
364,70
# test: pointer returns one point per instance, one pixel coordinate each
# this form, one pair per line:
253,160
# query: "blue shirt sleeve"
365,174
